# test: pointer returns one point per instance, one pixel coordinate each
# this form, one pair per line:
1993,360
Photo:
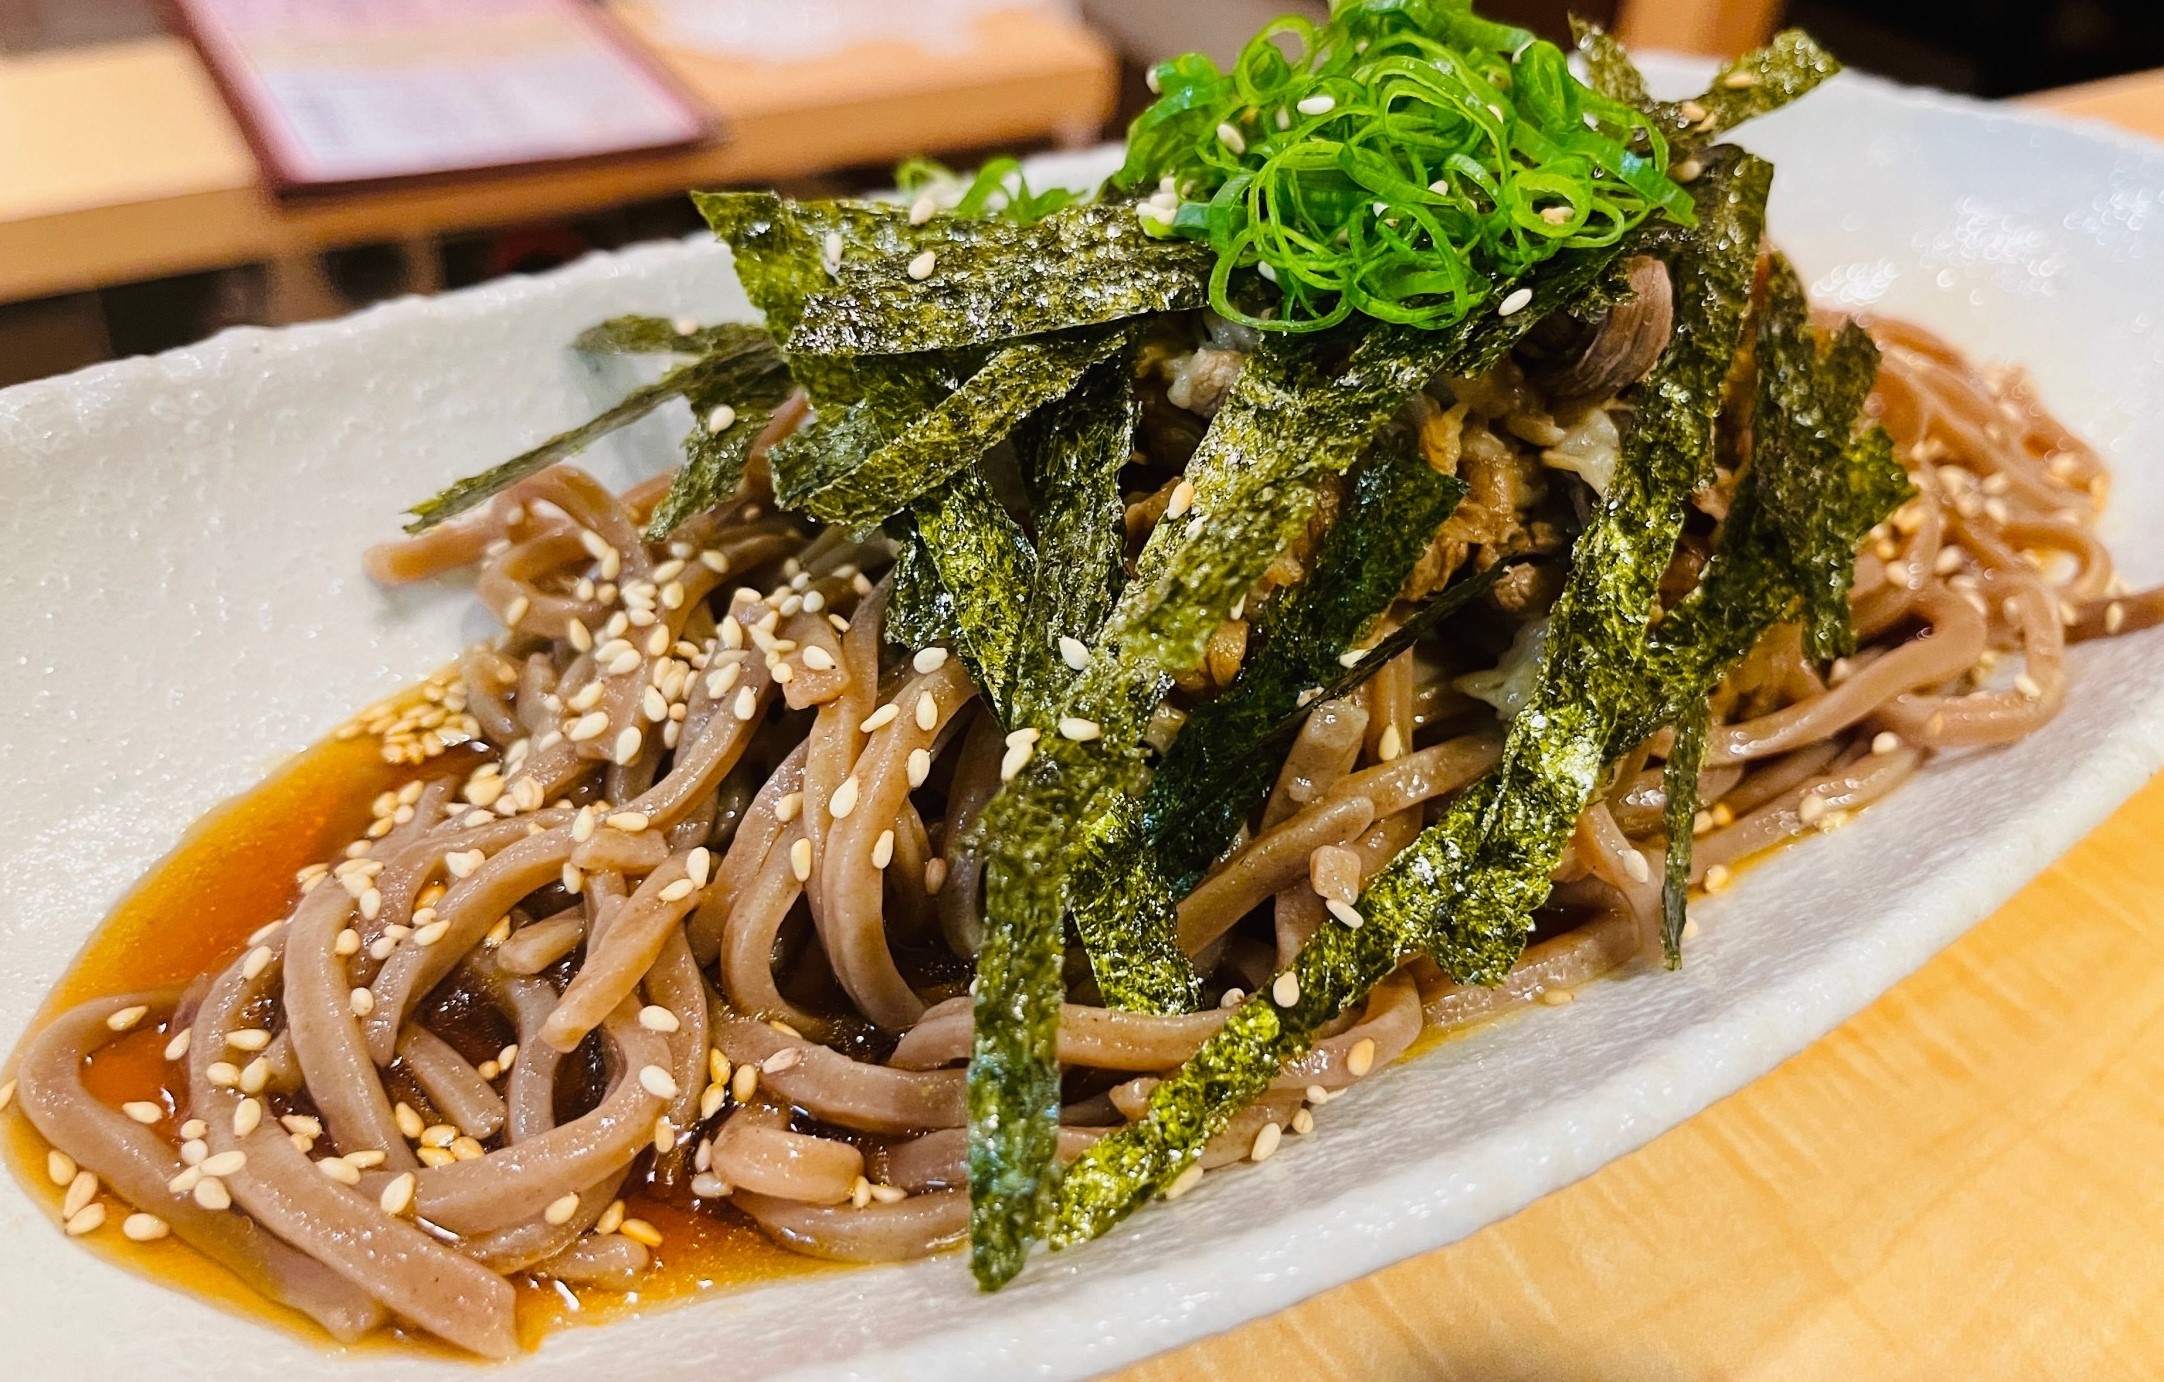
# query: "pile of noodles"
707,885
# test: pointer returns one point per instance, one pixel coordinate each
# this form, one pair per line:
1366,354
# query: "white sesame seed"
516,610
1228,135
630,822
678,891
210,1193
1885,742
82,1189
787,1058
247,1116
1027,734
747,705
927,711
340,1170
628,744
431,933
1518,300
254,1076
589,726
561,1209
923,208
935,875
919,766
175,1049
655,1018
2114,617
880,718
1078,729
1265,1144
883,849
920,268
223,1074
122,1020
144,1111
1345,912
1016,758
789,807
699,866
1718,878
1810,808
657,1082
800,860
1319,104
1181,500
462,863
366,1159
1390,746
2029,687
928,660
818,659
574,880
1285,989
144,1228
1074,652
1634,864
192,1146
1185,1181
88,1219
397,1196
1361,1058
844,799
224,1164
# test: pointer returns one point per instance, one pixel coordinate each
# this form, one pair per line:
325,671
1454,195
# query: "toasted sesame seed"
144,1228
1556,998
1718,878
628,744
1185,1181
82,1189
611,1219
462,863
935,875
927,711
1319,104
1518,300
1016,758
641,1232
1182,498
1078,729
787,1058
247,1116
883,849
1810,808
397,1196
747,705
1265,1144
223,1074
88,1219
122,1020
561,1209
142,1111
920,268
844,799
2029,687
247,1038
1361,1058
1345,912
880,718
1285,989
1634,864
2114,617
210,1193
919,766
657,1082
1390,746
433,1156
254,1076
678,891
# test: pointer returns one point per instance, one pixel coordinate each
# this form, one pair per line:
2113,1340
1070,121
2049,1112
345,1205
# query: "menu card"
333,93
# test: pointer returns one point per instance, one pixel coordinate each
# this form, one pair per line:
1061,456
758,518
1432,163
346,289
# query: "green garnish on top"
1404,155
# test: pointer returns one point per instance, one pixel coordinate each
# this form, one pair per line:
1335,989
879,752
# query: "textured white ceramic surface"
181,604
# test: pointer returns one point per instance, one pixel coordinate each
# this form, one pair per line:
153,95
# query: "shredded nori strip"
1679,818
1071,454
741,361
990,280
636,335
985,564
834,484
1220,767
1757,83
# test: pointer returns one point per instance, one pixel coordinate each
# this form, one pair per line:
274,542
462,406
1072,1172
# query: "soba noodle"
711,873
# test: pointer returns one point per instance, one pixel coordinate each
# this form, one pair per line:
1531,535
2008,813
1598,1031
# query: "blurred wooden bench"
120,162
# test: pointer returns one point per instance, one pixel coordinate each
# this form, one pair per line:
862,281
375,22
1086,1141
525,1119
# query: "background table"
1964,1180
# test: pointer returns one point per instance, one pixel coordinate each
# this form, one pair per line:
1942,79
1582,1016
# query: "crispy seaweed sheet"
986,566
738,362
1757,83
838,485
1071,453
1679,816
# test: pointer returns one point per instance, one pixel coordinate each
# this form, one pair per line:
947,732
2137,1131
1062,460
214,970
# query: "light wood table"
1966,1180
121,162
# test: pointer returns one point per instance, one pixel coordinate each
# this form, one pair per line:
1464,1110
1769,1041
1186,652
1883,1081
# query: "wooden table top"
121,162
1964,1180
